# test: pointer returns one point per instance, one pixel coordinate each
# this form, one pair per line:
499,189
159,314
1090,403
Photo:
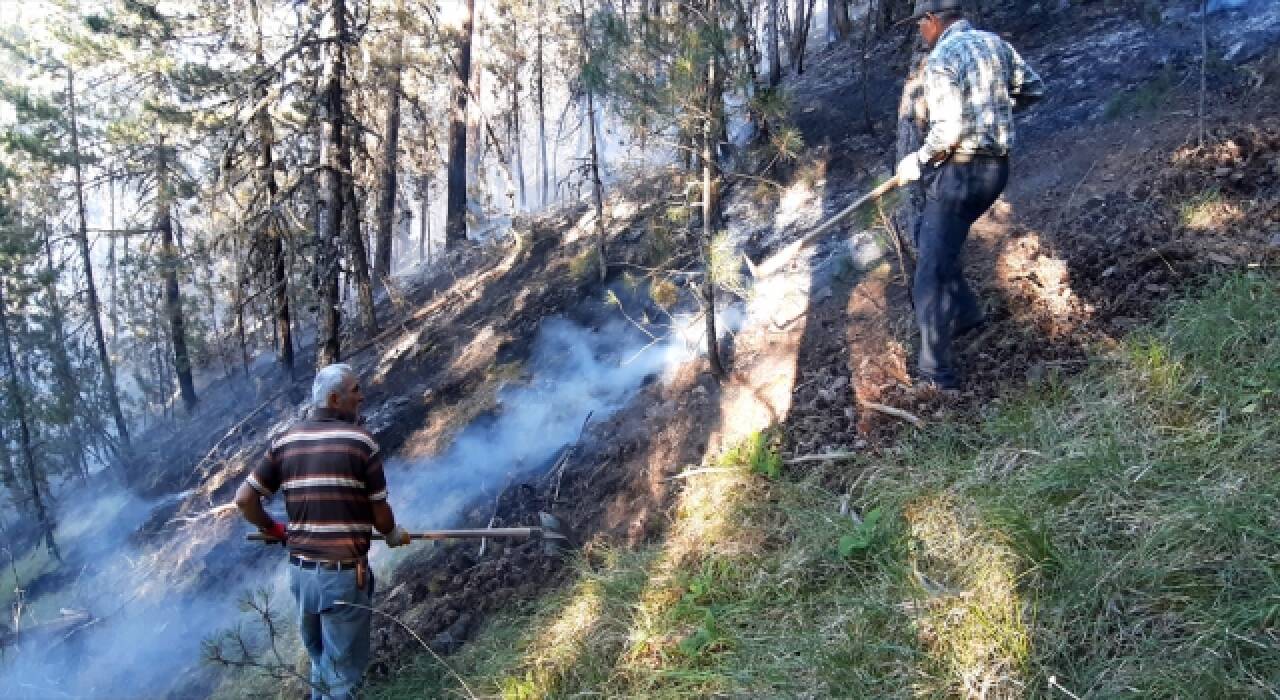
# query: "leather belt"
345,565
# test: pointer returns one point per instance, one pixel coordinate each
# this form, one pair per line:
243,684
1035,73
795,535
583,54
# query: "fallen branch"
704,470
829,457
234,429
891,411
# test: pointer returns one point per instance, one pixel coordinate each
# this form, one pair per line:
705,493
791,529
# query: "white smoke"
576,371
156,603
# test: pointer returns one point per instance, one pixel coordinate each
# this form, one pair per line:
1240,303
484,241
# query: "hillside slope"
721,549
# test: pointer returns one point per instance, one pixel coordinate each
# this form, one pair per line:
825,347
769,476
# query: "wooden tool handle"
494,533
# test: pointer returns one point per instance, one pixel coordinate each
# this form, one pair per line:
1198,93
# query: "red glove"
277,531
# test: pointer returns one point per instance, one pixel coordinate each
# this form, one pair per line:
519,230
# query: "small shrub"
758,453
584,266
659,245
1205,210
725,264
664,293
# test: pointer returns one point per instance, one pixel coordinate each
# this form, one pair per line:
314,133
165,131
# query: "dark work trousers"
959,192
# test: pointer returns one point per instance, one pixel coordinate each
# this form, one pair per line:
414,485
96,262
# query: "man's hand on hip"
397,537
909,169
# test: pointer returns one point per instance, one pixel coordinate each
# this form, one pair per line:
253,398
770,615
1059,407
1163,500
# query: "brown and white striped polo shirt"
331,473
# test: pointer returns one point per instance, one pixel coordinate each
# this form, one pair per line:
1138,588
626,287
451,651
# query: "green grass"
1118,532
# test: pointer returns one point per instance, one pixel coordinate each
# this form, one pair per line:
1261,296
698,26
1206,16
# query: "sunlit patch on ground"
971,618
1027,267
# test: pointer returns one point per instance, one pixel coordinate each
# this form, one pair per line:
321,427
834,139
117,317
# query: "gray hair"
332,379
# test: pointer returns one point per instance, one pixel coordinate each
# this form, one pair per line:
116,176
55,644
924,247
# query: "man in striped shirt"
335,494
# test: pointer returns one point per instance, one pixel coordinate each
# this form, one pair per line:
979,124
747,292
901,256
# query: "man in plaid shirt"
973,83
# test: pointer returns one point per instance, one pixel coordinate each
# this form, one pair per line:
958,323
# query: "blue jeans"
336,636
958,194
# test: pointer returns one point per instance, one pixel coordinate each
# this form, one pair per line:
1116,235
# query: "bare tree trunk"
865,68
358,253
800,33
34,482
771,45
710,203
113,310
237,298
517,147
172,292
455,227
91,289
597,189
424,222
273,234
68,387
390,148
331,194
838,20
542,110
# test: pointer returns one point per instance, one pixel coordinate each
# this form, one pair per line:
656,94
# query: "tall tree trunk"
517,147
455,228
838,20
64,374
272,233
545,186
771,42
172,292
424,221
91,289
710,202
385,215
597,188
331,195
237,298
34,482
865,68
113,310
358,253
800,33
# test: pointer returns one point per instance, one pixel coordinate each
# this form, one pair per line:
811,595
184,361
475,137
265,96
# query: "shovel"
785,256
547,532
516,533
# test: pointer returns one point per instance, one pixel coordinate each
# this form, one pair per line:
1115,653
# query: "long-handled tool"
518,533
794,248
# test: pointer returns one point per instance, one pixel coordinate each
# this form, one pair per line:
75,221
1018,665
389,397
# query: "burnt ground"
1093,232
1109,212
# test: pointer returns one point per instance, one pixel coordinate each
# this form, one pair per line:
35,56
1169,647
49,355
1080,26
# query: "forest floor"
1040,525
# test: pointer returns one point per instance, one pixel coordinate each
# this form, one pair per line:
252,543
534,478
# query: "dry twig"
406,628
828,457
891,411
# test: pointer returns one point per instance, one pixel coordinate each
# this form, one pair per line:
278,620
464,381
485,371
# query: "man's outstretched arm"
1026,88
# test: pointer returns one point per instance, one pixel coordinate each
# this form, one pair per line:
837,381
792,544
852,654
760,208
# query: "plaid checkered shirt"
974,81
